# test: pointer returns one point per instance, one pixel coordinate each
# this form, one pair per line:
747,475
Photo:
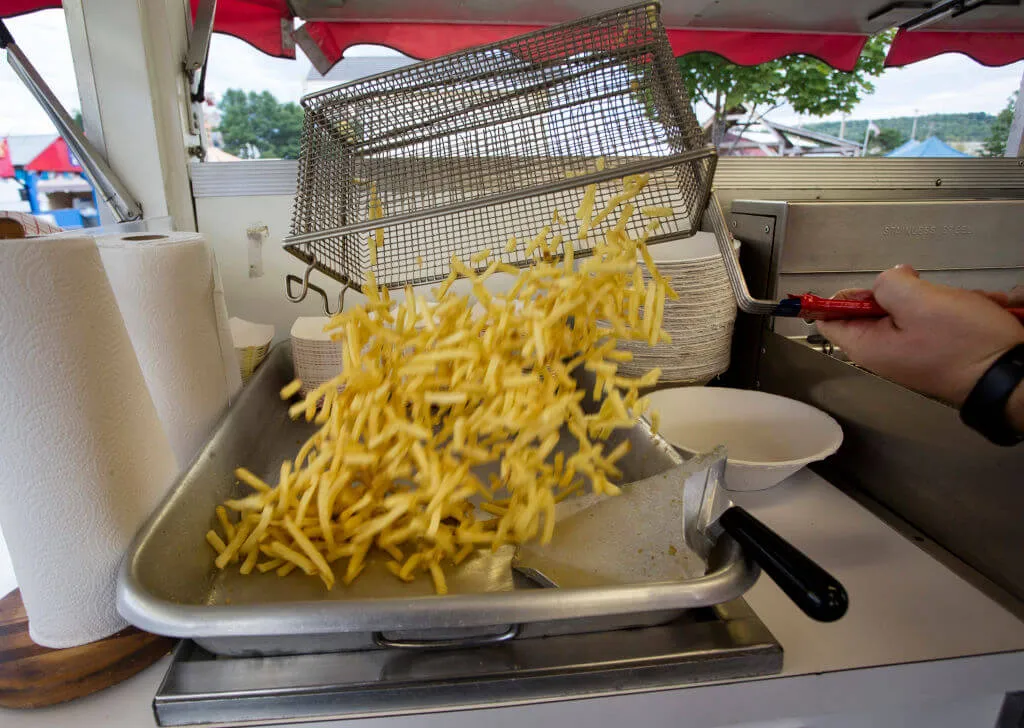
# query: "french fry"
288,554
225,523
429,391
462,554
231,549
269,565
396,568
291,389
309,550
244,475
440,586
249,563
215,540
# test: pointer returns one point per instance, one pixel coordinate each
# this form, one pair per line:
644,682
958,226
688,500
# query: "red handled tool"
815,308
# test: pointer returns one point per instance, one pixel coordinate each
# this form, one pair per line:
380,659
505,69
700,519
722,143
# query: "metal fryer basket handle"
746,302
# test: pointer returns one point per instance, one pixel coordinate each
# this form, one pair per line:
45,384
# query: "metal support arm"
195,66
199,43
108,184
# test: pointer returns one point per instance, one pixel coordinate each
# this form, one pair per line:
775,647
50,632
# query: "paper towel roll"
166,288
85,458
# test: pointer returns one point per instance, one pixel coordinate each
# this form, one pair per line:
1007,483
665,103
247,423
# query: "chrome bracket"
307,287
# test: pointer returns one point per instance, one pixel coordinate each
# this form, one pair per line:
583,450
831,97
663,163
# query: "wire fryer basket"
400,171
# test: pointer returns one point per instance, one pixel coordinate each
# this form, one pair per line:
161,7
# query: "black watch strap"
984,409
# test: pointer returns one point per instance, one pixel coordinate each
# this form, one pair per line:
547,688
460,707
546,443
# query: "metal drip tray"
714,643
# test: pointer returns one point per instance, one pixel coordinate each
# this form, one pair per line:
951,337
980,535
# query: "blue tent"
930,147
903,149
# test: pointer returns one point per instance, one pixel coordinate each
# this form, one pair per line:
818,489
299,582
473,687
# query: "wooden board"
32,676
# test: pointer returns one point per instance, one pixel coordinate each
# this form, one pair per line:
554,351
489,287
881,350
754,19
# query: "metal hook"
307,287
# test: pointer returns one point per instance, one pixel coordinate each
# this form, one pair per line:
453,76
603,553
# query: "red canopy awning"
54,158
267,24
987,48
325,43
263,24
10,8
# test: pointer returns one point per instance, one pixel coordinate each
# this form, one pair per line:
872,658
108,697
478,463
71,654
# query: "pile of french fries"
432,390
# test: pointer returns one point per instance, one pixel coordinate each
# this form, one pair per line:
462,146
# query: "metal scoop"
634,537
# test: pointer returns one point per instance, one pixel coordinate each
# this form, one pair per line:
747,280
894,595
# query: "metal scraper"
631,538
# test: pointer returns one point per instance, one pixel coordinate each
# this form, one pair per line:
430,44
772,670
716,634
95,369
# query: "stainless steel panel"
244,178
726,642
736,178
822,247
824,237
169,584
826,284
758,225
882,179
913,455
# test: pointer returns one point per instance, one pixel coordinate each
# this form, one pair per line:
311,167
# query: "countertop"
916,634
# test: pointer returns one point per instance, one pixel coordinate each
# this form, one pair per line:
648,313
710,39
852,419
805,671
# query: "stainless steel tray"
727,642
169,585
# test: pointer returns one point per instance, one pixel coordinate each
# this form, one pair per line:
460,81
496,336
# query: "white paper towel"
167,289
84,456
228,355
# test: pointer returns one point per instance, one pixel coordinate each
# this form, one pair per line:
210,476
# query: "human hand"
936,339
1013,299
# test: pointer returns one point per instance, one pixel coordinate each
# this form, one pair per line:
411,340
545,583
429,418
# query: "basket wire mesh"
460,154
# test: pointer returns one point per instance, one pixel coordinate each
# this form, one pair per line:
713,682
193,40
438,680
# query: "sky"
946,84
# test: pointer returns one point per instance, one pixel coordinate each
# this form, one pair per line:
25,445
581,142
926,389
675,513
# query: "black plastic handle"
818,594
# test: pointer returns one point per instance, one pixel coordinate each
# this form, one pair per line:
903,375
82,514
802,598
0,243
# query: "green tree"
995,145
886,140
256,125
972,126
807,84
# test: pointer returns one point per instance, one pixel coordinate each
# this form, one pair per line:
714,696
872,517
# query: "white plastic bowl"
767,437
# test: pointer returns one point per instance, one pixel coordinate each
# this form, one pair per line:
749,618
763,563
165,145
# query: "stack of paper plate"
317,357
700,322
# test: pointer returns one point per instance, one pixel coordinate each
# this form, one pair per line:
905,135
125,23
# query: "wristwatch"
984,409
